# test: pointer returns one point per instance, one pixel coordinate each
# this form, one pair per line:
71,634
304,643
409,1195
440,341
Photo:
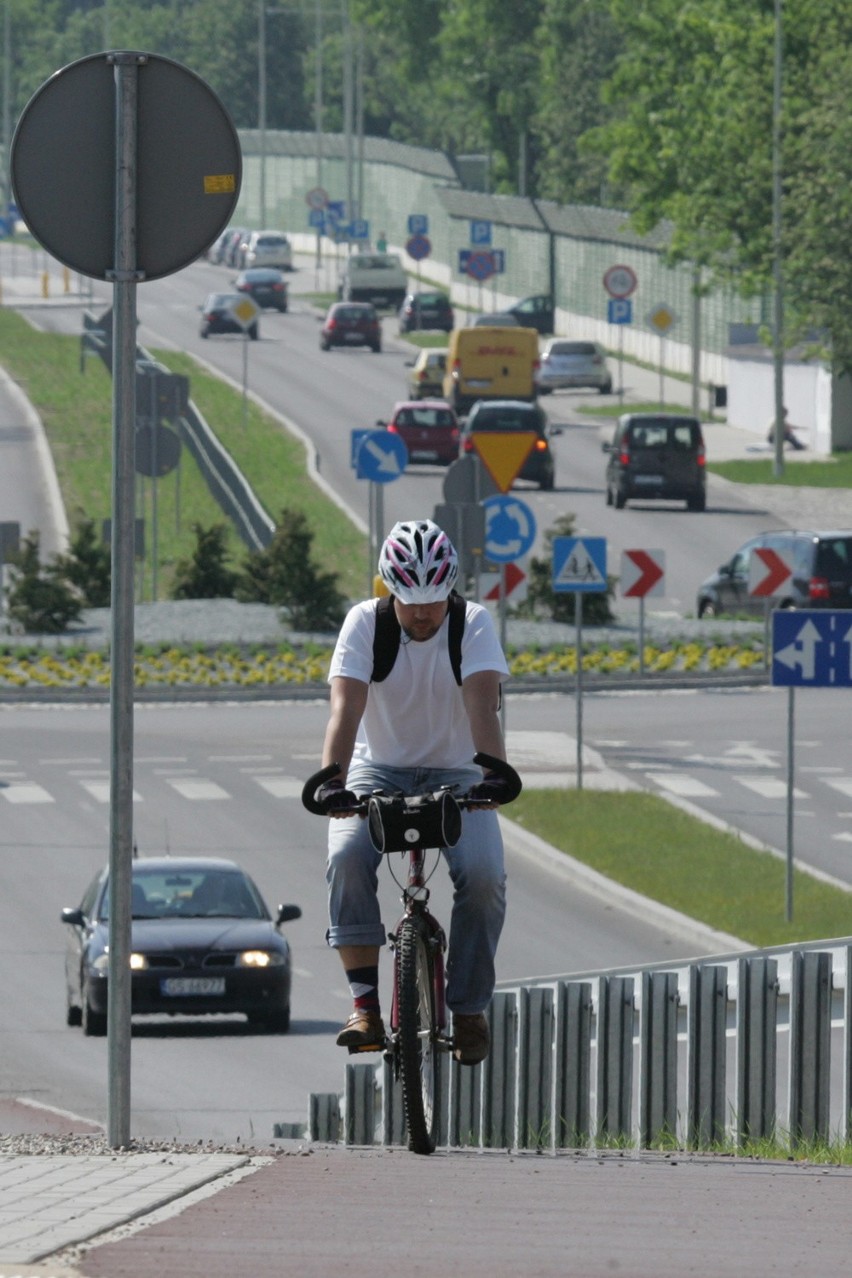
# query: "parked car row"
241,248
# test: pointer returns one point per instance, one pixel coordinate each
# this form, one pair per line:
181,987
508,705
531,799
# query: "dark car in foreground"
429,429
657,456
351,324
203,943
821,576
217,316
502,416
266,285
425,311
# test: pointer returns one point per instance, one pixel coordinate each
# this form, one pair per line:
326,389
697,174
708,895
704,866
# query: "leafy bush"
283,574
206,575
39,600
88,566
543,600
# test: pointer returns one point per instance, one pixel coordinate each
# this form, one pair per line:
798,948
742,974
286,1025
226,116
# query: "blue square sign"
812,648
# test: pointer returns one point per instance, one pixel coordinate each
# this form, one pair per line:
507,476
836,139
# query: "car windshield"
270,241
571,348
507,419
424,417
353,313
663,434
197,893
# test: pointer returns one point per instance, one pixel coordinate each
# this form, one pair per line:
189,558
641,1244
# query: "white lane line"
769,787
197,789
683,784
280,787
20,792
99,790
843,784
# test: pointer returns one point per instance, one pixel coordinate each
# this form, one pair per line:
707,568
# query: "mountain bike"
416,825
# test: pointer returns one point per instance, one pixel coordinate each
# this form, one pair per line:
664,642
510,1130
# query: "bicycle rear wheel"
419,1053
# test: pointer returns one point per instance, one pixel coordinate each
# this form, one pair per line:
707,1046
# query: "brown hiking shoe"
363,1032
471,1038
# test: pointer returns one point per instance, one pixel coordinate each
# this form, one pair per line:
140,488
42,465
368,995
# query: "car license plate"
479,383
655,480
353,337
424,454
177,985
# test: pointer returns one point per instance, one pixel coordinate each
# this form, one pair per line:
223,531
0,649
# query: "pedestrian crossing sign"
579,563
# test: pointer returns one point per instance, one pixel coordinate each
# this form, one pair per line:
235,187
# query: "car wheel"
698,502
376,348
545,390
546,484
707,608
94,1023
620,499
205,332
253,333
606,389
277,1022
325,346
73,1013
608,495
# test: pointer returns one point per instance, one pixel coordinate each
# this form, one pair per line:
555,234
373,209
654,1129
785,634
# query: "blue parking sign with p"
619,310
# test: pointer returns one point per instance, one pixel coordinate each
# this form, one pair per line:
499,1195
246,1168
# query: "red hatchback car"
351,324
429,429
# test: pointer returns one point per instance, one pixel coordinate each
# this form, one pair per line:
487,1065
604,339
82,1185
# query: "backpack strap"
386,638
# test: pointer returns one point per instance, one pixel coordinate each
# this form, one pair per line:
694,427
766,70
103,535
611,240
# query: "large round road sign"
188,165
620,281
418,247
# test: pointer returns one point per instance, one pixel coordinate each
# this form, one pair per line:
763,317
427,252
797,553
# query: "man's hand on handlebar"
490,792
334,799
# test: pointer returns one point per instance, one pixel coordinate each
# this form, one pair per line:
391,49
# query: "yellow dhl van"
490,363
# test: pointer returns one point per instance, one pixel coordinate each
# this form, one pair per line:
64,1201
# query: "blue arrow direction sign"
509,528
382,457
356,439
579,563
812,649
316,217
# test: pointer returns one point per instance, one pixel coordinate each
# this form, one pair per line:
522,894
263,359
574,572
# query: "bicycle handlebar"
498,766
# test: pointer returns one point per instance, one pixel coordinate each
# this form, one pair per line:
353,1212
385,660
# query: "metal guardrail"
226,482
700,1055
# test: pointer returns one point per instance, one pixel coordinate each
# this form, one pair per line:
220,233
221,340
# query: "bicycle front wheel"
419,1053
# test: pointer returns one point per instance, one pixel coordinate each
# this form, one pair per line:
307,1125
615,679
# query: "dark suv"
426,310
821,577
656,455
501,416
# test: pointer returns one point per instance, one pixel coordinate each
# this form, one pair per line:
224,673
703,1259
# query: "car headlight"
260,958
138,962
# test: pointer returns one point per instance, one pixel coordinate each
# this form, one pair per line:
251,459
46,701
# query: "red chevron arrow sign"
642,573
767,571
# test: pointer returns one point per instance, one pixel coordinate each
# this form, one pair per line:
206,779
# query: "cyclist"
414,731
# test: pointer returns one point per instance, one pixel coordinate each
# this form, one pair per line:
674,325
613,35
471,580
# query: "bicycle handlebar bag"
425,821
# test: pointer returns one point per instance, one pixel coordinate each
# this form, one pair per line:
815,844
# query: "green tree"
87,567
206,575
39,601
285,575
543,600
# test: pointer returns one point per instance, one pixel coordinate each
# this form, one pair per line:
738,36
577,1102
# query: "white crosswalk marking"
843,784
22,792
197,788
280,787
99,790
681,783
769,787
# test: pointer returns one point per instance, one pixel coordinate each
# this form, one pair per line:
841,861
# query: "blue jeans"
476,870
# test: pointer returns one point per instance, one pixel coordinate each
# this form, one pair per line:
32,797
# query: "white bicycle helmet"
418,562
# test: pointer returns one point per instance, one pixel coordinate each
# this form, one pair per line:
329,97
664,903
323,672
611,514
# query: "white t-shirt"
416,716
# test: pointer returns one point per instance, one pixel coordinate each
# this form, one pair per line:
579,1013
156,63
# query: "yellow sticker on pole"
503,454
220,184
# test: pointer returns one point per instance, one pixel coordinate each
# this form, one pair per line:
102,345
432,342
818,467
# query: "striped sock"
364,987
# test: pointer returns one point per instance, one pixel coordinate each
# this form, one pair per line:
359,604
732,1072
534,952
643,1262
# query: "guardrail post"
615,1056
757,1009
360,1102
393,1116
535,1068
499,1074
571,1123
465,1114
846,1117
705,1054
810,1046
324,1117
658,1058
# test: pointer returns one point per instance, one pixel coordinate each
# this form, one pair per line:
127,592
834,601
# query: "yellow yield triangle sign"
503,454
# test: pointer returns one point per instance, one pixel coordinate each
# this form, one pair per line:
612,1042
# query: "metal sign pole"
503,639
578,617
641,635
124,276
791,715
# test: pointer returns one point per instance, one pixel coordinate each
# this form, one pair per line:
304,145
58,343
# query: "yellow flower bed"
229,667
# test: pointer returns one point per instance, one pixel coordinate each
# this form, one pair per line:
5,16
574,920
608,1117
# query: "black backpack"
388,634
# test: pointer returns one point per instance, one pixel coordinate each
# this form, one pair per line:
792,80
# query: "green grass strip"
651,846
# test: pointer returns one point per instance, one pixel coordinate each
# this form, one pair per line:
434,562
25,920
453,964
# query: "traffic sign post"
662,319
510,530
811,648
619,310
381,457
643,573
579,564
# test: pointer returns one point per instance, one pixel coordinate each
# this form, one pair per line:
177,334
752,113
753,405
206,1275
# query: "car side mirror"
287,913
554,430
73,916
606,448
409,363
379,422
